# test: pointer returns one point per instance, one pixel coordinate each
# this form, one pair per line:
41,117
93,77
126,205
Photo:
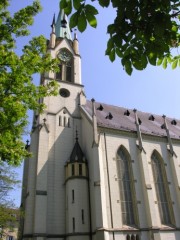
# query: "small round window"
64,92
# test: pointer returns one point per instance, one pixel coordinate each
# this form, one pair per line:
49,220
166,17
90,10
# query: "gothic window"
10,238
82,215
161,187
73,196
72,170
128,237
73,223
64,121
127,193
69,123
60,121
133,237
80,169
65,67
68,73
59,73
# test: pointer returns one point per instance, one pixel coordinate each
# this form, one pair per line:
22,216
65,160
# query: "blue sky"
153,90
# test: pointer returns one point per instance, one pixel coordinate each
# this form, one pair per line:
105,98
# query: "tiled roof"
119,118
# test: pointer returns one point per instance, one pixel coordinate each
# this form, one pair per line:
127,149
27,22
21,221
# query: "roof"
123,119
62,30
77,154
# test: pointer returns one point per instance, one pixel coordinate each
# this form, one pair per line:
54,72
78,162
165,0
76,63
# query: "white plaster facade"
60,204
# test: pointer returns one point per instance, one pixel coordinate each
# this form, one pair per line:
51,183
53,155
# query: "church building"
97,171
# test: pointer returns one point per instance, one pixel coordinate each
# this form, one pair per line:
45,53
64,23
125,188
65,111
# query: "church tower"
55,195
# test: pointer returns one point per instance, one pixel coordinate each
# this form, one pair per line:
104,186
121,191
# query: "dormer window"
126,113
151,118
173,122
139,120
100,108
65,67
109,116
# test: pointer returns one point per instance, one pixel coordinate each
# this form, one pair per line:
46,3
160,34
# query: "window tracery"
127,194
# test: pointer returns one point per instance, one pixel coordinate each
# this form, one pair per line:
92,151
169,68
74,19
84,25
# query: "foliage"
8,214
143,31
8,220
18,93
8,182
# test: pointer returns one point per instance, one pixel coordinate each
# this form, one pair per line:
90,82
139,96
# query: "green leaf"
68,8
152,58
73,20
91,20
174,64
111,28
110,44
112,55
144,61
77,4
82,22
91,9
117,40
127,64
174,28
104,3
169,59
165,63
138,65
63,4
119,53
159,61
128,68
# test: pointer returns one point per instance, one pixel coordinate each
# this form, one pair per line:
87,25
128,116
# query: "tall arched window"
65,67
161,187
127,194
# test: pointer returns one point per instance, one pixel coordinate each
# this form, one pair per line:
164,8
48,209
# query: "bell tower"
46,185
62,46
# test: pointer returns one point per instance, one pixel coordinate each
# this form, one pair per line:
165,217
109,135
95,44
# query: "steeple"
53,24
52,42
77,154
62,26
62,46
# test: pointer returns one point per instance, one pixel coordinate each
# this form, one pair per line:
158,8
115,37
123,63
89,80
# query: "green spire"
62,26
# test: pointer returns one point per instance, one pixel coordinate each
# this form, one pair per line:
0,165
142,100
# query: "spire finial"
27,144
53,21
75,34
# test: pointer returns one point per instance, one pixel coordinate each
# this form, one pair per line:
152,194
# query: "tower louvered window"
59,74
161,187
65,67
126,187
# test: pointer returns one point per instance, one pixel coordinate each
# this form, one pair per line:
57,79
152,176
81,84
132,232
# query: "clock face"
64,55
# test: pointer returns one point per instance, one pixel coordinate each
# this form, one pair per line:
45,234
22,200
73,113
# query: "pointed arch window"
161,187
65,68
127,193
